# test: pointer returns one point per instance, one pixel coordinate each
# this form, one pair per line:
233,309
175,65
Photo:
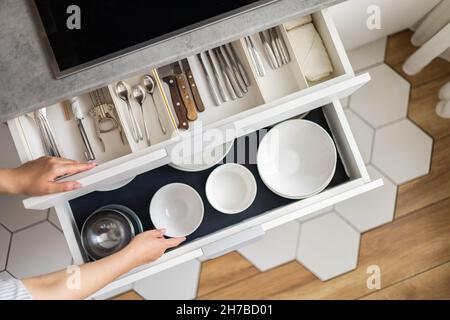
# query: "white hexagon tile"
384,99
4,275
373,208
402,151
177,283
368,55
363,134
328,246
277,247
5,237
38,250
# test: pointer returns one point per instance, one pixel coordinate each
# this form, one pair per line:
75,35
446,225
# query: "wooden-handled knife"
185,92
178,105
193,85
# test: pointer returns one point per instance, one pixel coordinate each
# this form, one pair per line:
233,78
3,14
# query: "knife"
207,72
235,59
273,41
185,92
178,106
234,76
193,85
231,82
219,78
255,57
268,50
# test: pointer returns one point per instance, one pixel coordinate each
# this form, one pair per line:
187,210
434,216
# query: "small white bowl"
178,208
231,188
297,159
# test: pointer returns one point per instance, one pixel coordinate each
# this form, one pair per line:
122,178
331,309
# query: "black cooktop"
83,33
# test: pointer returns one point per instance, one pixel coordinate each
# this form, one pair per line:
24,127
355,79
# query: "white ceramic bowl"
178,208
231,188
297,159
209,158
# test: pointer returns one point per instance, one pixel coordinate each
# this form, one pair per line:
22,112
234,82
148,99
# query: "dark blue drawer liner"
138,193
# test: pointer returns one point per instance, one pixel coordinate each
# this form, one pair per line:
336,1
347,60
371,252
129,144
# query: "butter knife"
209,79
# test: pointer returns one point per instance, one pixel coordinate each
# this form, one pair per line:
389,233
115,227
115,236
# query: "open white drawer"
251,229
282,94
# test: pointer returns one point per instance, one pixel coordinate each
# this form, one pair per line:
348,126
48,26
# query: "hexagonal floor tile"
177,283
368,55
402,151
278,246
371,209
4,275
14,216
38,250
328,246
5,238
363,134
384,99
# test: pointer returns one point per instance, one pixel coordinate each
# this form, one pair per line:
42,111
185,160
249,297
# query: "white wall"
396,15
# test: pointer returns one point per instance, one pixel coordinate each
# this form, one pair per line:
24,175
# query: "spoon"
150,84
122,93
140,95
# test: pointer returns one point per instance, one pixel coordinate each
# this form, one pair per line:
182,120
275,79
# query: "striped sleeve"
13,290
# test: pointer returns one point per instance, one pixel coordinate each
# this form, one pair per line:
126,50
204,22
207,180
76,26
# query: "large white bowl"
297,159
208,159
231,188
178,208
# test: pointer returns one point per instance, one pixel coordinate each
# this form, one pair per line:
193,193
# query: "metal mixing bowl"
106,231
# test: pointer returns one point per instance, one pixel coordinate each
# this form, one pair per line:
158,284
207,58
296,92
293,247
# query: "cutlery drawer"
219,230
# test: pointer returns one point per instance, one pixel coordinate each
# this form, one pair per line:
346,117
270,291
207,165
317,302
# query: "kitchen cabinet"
281,95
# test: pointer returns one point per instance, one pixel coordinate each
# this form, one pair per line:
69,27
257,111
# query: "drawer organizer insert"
139,192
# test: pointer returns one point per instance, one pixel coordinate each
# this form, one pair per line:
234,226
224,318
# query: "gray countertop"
28,83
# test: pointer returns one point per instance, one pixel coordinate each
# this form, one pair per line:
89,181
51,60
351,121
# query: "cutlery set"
225,75
51,147
139,93
275,50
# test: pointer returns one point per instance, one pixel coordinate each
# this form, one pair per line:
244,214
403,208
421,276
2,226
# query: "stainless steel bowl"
106,231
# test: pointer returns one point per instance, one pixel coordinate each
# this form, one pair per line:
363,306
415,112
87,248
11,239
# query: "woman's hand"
149,246
36,178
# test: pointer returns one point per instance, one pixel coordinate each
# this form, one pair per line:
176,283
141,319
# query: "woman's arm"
144,248
36,178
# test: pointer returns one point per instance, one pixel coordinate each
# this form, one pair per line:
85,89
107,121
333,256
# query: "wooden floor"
413,252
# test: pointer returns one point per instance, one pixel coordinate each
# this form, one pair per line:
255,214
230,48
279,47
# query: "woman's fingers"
157,233
55,187
69,169
173,242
